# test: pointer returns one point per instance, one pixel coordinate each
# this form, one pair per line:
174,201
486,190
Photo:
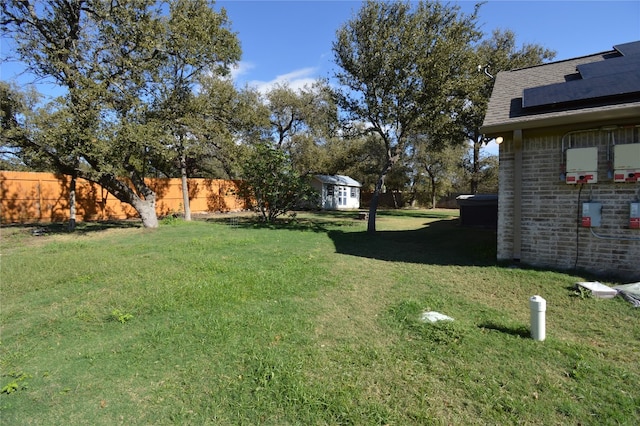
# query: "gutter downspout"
517,195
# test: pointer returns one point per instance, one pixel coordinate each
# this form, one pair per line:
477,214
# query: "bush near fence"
29,197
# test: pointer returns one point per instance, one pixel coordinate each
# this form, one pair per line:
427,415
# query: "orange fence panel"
27,197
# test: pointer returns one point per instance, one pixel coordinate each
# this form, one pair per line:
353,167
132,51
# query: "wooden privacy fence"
27,197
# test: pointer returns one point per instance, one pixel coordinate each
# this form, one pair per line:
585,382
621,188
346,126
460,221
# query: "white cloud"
240,69
296,80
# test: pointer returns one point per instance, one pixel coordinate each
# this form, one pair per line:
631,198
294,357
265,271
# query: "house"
337,192
569,193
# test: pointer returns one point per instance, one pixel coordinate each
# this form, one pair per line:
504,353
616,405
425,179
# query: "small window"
354,192
330,190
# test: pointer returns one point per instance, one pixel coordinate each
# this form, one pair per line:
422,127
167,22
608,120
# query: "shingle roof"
567,91
338,180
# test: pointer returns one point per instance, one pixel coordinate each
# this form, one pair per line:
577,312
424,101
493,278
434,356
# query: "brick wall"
505,203
551,210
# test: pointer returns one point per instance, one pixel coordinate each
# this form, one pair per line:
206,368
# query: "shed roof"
600,86
338,180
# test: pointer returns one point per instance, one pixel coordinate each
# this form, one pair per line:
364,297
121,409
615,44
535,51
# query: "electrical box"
582,165
626,162
634,216
591,214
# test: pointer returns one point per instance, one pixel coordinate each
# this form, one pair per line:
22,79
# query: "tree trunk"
412,194
433,192
185,187
146,208
475,173
145,205
72,203
373,205
434,202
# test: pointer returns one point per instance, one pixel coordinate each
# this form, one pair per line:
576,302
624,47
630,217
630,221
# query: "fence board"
27,197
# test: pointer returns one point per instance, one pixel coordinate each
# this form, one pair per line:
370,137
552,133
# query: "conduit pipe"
608,237
538,307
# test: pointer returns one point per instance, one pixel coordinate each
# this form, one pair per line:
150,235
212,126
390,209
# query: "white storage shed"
337,192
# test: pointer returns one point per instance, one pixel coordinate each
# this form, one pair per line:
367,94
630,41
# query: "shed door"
342,196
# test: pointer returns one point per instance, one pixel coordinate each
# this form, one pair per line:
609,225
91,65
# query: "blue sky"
291,40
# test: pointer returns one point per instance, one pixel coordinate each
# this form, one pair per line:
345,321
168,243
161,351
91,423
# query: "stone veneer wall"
551,211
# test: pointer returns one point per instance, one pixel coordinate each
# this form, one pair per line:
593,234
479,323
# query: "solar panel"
613,77
582,90
610,66
628,49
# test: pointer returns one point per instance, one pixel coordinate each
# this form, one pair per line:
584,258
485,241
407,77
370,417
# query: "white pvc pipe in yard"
538,308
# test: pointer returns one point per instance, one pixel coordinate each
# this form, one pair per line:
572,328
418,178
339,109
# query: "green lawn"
312,323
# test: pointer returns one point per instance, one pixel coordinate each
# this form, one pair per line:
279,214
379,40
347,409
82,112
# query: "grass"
310,322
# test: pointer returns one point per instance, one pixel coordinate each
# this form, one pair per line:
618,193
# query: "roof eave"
491,130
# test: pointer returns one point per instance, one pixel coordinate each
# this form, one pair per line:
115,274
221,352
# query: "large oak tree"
114,60
402,68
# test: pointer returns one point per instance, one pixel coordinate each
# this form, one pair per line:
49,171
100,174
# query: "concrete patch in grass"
433,316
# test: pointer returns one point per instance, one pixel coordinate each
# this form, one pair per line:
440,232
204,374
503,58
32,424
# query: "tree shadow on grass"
58,228
442,242
426,214
314,224
519,331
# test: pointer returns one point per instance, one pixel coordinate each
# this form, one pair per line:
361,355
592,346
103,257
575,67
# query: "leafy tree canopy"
403,67
273,185
118,61
301,123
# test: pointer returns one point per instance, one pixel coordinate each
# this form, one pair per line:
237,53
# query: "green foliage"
129,108
226,116
435,172
170,219
409,71
402,68
17,383
127,71
582,292
177,110
15,106
401,64
120,316
497,53
273,184
301,122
